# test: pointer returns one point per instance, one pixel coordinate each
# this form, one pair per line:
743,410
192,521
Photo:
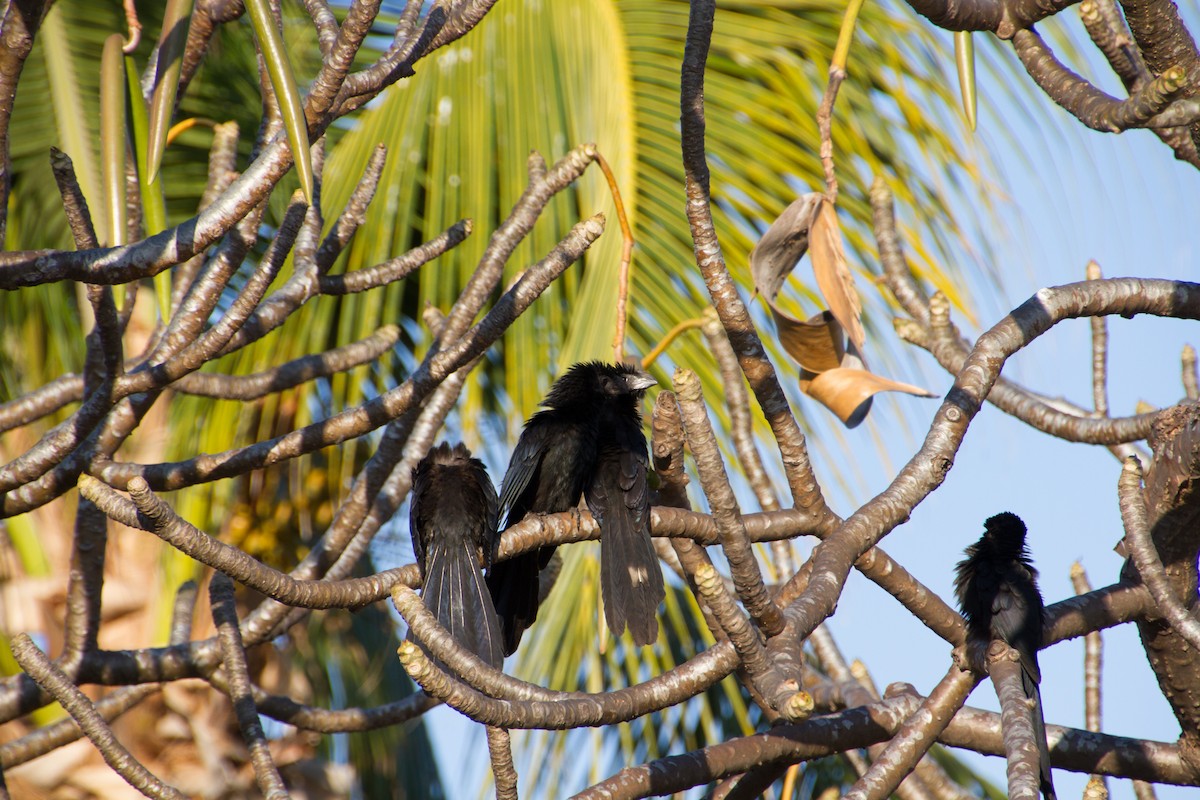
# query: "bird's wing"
1016,618
630,577
489,539
416,521
522,467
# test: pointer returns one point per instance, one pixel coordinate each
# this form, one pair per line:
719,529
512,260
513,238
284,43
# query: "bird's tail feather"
514,589
630,578
1033,692
457,596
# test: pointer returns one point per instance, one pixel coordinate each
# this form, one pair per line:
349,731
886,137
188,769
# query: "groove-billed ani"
997,590
453,517
590,439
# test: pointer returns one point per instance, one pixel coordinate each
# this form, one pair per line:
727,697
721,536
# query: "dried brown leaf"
834,278
847,392
818,344
832,369
783,245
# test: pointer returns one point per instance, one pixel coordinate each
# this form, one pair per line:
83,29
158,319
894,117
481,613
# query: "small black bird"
589,439
997,590
453,518
630,580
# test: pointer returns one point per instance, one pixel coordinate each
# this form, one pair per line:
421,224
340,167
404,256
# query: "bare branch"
742,563
1085,102
1191,383
62,688
233,656
1142,551
914,738
806,492
1020,738
378,411
504,775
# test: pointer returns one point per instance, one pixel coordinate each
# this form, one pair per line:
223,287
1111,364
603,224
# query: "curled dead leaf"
818,344
847,392
827,346
834,278
783,245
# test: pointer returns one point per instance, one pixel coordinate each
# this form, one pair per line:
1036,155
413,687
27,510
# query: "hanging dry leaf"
834,278
847,392
832,369
783,245
818,344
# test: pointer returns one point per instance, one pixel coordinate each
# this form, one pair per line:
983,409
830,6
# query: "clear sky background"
1073,195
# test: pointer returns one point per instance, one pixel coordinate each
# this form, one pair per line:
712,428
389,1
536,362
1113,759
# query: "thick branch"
760,373
1094,108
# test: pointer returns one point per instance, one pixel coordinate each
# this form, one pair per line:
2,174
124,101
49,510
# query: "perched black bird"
453,518
589,439
997,590
630,580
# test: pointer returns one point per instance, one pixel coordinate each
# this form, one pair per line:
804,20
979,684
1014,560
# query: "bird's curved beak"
639,381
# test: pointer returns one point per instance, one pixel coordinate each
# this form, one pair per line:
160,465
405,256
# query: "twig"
618,343
1099,352
786,697
670,337
825,127
1092,107
741,429
1191,384
278,307
1020,742
1092,657
914,738
355,211
1103,608
111,706
51,679
743,565
335,67
41,402
897,274
972,729
691,677
291,374
739,414
153,514
233,654
543,185
376,412
833,559
504,775
389,271
551,715
1140,546
1143,790
666,446
343,720
85,582
943,342
1106,26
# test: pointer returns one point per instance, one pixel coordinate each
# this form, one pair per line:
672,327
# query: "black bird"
588,439
997,590
453,518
